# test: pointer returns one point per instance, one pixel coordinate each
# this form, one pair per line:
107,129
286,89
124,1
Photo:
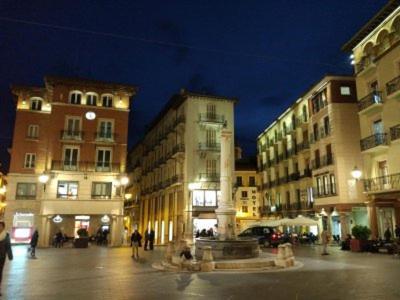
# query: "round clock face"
90,115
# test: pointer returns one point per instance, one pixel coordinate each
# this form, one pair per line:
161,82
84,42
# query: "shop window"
26,191
198,198
101,190
33,131
36,104
30,160
75,98
205,198
210,198
245,209
107,100
67,189
244,194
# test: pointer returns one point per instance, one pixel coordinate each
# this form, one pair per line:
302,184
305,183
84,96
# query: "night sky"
266,53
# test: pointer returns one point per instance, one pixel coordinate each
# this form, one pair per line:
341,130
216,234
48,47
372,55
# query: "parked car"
267,236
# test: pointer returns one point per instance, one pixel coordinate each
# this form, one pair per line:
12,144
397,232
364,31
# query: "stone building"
375,53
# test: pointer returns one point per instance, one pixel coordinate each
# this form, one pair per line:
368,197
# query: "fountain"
226,245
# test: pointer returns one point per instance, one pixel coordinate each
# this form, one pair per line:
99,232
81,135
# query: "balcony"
371,103
179,120
209,177
327,160
294,176
393,88
395,133
323,194
367,63
387,183
71,135
374,143
306,173
212,118
210,147
105,137
178,149
84,166
304,145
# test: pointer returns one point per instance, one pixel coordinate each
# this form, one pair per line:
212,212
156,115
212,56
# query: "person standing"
397,231
388,235
5,249
33,243
136,239
151,239
146,238
325,240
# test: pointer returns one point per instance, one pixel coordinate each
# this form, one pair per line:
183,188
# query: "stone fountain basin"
238,248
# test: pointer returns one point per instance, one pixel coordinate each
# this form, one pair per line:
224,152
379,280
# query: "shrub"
361,232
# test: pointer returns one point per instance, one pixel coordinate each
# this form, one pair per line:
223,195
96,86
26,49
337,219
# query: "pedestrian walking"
146,238
59,239
5,249
325,240
136,239
33,243
151,239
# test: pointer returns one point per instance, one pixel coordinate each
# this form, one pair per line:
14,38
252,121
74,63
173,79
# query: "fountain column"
226,212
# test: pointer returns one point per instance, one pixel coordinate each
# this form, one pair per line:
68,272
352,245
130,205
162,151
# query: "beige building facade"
176,166
375,53
306,157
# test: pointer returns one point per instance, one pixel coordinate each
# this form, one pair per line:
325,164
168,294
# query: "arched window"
396,26
75,97
107,100
275,135
293,122
36,103
91,99
284,128
383,41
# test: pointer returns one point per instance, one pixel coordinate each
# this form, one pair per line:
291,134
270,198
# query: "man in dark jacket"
5,249
34,241
136,239
151,239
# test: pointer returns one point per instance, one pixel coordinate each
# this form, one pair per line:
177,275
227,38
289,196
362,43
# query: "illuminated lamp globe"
356,173
43,178
124,180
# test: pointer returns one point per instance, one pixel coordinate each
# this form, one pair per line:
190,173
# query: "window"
252,181
211,167
327,126
377,127
198,198
91,99
211,137
239,181
105,130
326,185
211,111
107,100
345,90
245,209
36,104
67,189
75,98
72,128
71,158
284,129
33,131
305,114
315,131
210,198
103,160
205,198
25,191
101,190
333,184
287,199
30,159
320,186
244,194
383,171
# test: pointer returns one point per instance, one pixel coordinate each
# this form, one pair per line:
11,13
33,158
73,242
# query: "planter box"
81,242
357,245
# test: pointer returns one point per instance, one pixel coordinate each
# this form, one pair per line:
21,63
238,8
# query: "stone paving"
104,273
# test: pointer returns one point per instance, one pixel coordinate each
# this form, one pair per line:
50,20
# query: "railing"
306,173
105,136
212,118
210,177
178,148
364,63
303,146
387,182
393,86
316,164
209,146
105,197
323,193
327,160
84,166
372,98
374,140
395,133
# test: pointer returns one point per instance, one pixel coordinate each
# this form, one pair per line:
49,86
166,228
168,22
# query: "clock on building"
90,115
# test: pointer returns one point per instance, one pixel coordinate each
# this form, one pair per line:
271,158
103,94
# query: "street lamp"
44,178
124,180
356,173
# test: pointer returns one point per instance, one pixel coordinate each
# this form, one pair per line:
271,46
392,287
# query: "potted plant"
361,235
83,240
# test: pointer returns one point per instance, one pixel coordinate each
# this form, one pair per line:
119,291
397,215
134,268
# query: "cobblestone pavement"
102,273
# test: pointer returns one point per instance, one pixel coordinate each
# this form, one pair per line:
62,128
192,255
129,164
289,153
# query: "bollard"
289,255
207,264
170,252
280,260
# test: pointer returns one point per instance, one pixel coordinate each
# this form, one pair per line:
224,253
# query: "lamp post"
356,173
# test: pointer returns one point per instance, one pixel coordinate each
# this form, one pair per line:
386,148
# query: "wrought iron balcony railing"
211,118
85,166
393,86
71,135
382,183
209,177
395,133
374,140
209,146
105,136
371,99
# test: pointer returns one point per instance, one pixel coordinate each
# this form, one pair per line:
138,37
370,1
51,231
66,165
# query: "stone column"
226,212
373,220
44,231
